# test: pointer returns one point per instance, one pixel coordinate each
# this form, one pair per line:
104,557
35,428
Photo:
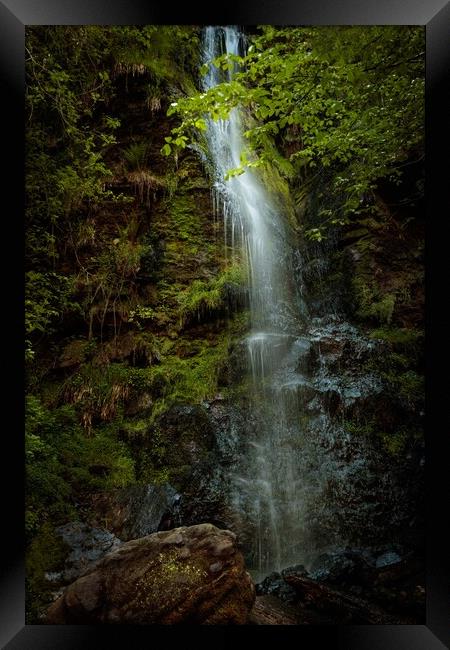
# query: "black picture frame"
435,16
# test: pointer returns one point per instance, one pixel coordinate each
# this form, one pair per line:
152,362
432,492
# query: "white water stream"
267,484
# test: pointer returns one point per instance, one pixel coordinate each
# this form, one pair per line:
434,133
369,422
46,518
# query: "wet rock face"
138,510
236,366
351,491
86,545
339,365
191,440
185,575
339,408
205,443
206,496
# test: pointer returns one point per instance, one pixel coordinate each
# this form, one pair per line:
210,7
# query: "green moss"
167,54
107,463
278,187
383,309
396,335
187,235
358,428
45,554
199,298
372,304
190,176
410,386
150,472
400,364
51,438
185,217
191,379
395,441
62,463
150,456
187,373
202,298
135,428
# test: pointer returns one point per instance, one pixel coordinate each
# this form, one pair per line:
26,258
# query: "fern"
136,155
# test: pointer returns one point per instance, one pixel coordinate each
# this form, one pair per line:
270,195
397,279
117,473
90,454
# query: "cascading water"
299,484
267,483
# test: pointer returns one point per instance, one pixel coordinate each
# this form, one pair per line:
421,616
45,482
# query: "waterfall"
267,484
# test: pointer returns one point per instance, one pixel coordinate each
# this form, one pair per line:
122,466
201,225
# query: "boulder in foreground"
186,575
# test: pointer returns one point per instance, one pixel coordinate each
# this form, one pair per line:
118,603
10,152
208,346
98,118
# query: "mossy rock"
188,435
186,575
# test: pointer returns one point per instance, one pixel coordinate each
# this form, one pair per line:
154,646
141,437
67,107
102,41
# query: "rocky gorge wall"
143,401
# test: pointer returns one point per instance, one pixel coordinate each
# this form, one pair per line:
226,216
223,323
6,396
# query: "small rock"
73,353
274,585
56,594
340,567
388,558
296,570
53,576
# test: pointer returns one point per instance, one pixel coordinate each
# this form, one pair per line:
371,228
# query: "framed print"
233,243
